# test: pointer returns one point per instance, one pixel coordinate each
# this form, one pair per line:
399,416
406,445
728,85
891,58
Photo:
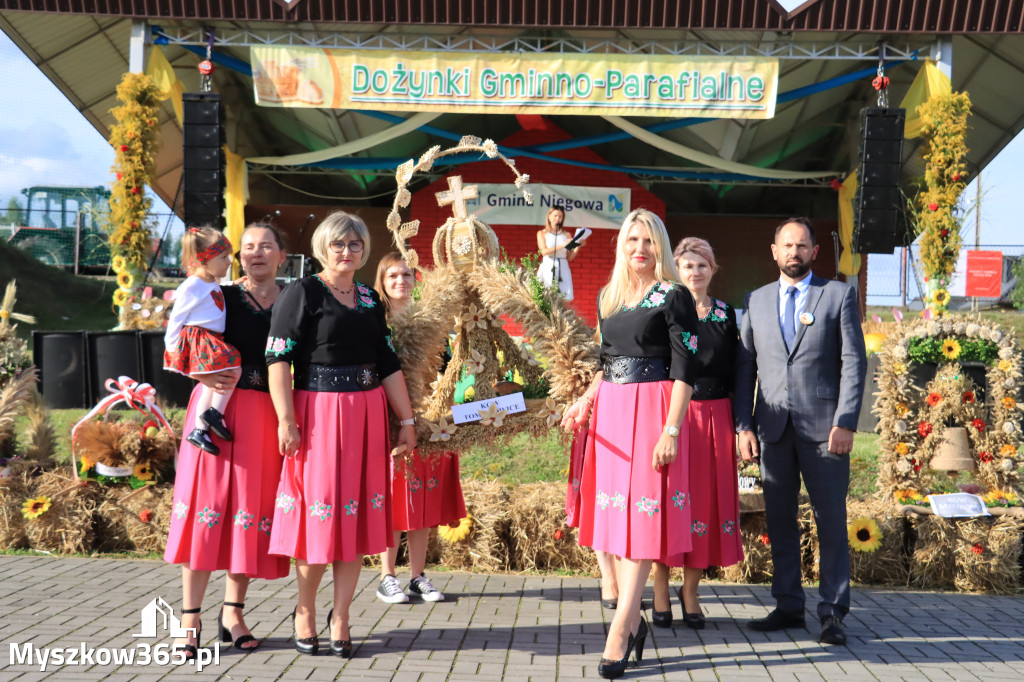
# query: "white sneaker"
422,586
390,591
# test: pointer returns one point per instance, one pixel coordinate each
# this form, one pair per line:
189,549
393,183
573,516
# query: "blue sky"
44,140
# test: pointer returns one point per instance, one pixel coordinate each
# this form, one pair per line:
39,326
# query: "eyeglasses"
353,247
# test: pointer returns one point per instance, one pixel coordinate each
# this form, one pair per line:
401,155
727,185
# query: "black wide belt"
337,378
710,388
624,369
254,378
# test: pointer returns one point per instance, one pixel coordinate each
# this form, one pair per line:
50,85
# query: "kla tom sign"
984,274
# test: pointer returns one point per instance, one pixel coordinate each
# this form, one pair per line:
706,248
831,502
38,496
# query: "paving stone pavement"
496,627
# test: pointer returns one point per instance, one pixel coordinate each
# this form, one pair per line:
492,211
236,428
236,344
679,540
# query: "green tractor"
63,227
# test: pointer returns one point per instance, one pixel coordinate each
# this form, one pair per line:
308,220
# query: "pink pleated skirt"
715,511
426,491
223,505
627,508
334,499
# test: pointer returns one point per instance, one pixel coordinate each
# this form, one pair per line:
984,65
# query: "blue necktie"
788,321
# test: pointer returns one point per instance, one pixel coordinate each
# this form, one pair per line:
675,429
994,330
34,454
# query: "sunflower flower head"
864,535
125,280
951,349
35,507
143,472
941,297
458,531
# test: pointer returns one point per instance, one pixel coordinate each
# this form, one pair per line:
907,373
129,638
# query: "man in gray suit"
801,342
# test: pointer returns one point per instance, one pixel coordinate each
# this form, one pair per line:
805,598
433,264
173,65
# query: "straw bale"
66,528
13,493
487,548
889,564
988,554
931,562
537,511
119,519
756,566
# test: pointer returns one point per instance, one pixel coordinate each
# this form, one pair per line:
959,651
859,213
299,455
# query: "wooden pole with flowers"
938,218
136,140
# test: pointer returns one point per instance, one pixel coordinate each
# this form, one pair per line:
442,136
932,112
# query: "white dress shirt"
802,287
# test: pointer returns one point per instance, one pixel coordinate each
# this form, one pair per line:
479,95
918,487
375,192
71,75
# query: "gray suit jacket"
819,383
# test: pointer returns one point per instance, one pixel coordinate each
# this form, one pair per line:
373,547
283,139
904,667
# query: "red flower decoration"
956,177
146,515
944,233
934,399
977,548
933,206
978,425
559,534
917,465
985,457
764,539
924,429
135,190
118,175
124,148
835,184
969,397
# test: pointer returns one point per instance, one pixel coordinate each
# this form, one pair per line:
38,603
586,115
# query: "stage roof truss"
857,50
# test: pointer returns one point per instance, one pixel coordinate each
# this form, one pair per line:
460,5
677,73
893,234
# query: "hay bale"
987,554
889,564
487,548
536,513
120,519
66,528
13,493
756,566
931,563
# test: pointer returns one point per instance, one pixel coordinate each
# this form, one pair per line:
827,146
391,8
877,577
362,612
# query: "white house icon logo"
158,610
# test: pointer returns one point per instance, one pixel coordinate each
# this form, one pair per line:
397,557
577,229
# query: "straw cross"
457,195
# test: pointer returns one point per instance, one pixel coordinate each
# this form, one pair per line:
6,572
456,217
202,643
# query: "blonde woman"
634,491
334,498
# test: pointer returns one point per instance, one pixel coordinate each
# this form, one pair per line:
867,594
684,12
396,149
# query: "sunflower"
120,297
459,532
1009,403
125,280
85,464
119,263
864,535
35,507
951,349
941,297
143,472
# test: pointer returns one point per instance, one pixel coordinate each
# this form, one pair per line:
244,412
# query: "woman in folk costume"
194,342
334,498
635,489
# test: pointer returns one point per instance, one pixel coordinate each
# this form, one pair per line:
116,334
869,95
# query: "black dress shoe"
779,620
832,631
661,619
610,669
306,645
214,420
201,439
694,620
339,647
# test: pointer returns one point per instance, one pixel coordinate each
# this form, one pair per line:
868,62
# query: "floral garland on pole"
135,139
911,420
938,219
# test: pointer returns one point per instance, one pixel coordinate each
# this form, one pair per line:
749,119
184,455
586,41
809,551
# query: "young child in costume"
194,342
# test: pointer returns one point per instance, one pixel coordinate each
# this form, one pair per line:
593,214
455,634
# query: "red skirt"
201,351
224,506
572,489
426,491
715,502
627,508
334,499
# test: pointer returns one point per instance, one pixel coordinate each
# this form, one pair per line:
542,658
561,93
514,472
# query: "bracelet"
407,422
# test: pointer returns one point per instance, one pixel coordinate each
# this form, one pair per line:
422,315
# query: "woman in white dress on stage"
554,264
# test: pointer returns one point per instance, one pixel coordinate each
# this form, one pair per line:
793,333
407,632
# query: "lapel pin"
806,318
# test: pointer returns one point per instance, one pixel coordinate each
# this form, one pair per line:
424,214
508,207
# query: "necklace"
343,292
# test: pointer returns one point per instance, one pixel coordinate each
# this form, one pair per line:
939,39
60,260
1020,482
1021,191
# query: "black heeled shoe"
662,619
191,651
641,639
214,421
607,603
610,669
306,645
694,621
339,647
201,439
224,634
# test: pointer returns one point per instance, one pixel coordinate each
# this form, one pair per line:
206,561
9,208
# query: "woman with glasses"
333,502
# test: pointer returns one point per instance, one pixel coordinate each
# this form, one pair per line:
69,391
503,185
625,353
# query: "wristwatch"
407,422
672,430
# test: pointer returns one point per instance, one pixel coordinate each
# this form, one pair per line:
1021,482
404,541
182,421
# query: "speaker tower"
878,207
203,166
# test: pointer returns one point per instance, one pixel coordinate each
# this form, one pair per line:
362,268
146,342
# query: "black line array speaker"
60,359
879,226
173,388
111,355
203,159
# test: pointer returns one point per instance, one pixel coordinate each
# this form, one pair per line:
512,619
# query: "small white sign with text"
958,504
470,412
